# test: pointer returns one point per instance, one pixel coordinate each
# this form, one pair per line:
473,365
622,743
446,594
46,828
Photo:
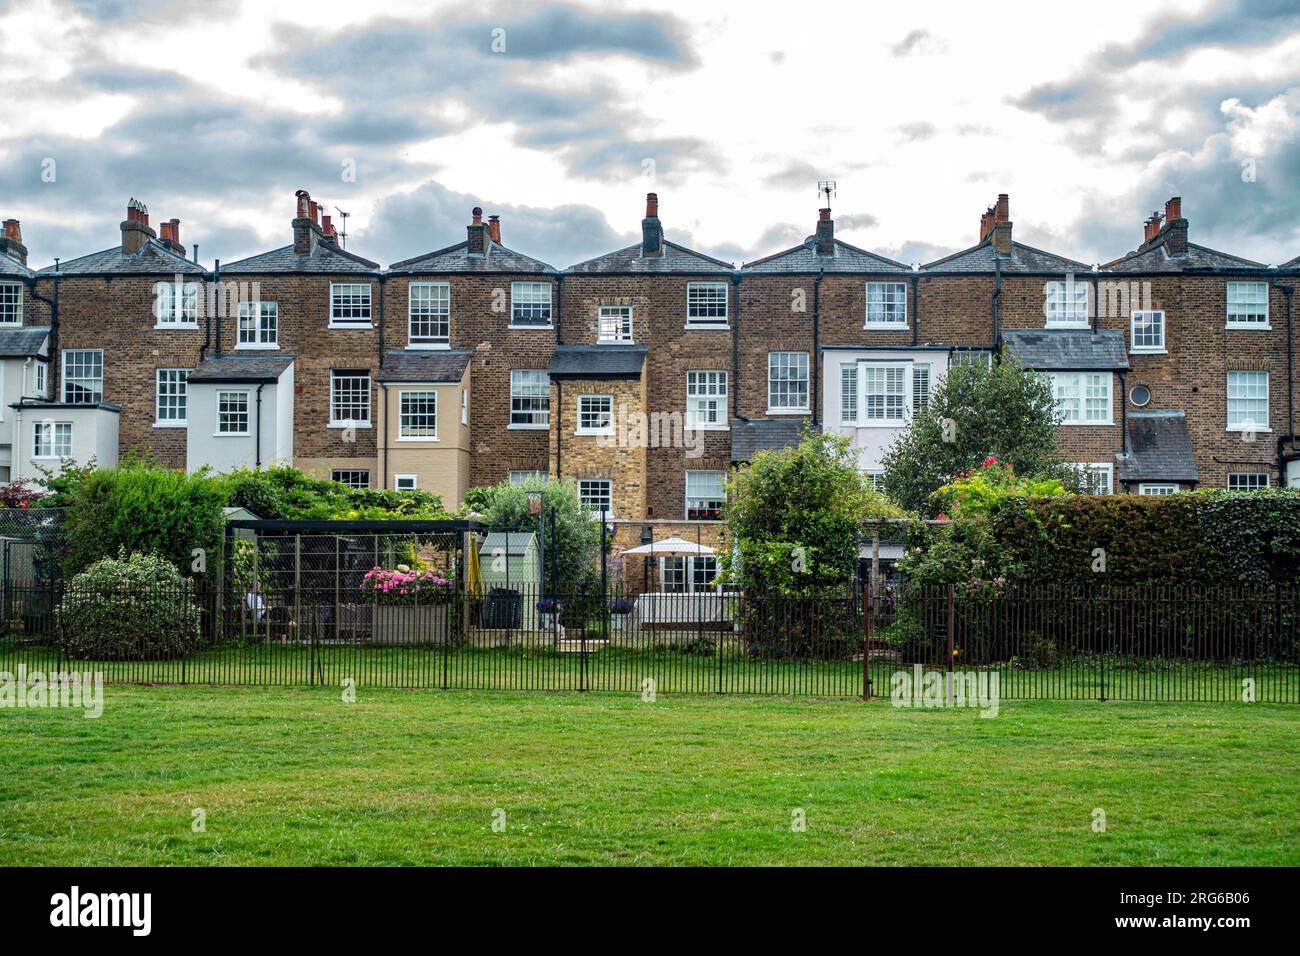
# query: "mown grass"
297,776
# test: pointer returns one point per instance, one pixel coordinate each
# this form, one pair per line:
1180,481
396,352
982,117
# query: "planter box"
392,625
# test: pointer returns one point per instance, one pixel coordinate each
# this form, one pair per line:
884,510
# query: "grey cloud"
121,11
796,174
918,43
856,220
561,32
1229,24
916,132
913,250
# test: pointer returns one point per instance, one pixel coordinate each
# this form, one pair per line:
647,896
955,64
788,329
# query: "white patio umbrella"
671,546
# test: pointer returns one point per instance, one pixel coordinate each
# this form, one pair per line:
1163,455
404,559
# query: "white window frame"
1242,320
1152,317
1103,467
869,375
525,294
692,566
1082,383
406,482
339,375
889,310
1157,489
707,389
426,394
520,390
1246,424
176,305
42,379
589,408
584,497
518,477
339,291
180,378
1063,305
221,397
850,400
702,495
793,362
922,385
68,380
263,326
606,318
1249,479
47,433
873,477
464,406
337,472
11,304
432,312
701,297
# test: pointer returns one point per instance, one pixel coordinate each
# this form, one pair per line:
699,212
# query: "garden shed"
512,572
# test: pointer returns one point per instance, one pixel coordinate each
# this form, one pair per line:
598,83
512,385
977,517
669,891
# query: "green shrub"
283,492
146,509
129,608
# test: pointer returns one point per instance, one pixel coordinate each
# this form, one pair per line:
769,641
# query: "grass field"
296,776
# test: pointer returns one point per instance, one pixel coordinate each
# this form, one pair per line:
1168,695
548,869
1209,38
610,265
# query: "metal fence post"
867,598
951,624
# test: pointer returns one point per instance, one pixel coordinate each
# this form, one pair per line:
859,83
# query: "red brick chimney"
825,233
1174,235
11,241
477,234
306,232
494,228
652,231
999,226
135,228
329,233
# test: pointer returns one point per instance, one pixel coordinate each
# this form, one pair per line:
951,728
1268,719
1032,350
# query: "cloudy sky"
561,116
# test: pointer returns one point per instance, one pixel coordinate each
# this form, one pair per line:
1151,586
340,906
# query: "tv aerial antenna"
826,188
343,233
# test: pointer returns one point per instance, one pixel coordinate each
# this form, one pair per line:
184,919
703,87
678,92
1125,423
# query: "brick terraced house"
642,374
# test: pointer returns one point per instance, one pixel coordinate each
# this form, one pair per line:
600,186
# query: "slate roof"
323,258
457,259
804,258
676,259
10,266
1293,264
597,361
431,365
1067,349
751,437
152,258
1023,258
241,368
1159,259
22,343
1160,448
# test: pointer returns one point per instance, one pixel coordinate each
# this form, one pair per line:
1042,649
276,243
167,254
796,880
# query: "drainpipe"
558,418
383,411
216,277
997,307
817,315
1123,417
916,308
735,349
383,281
257,433
559,309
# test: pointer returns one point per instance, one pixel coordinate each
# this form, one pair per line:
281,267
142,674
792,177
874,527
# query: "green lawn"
296,776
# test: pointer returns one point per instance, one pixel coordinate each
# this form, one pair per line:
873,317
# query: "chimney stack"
477,234
999,225
135,228
652,231
171,236
331,234
825,233
305,230
11,241
1175,231
494,228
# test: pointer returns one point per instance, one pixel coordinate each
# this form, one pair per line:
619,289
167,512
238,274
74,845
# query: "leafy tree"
284,492
795,515
975,413
575,544
145,509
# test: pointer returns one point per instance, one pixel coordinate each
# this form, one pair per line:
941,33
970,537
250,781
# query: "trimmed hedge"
1219,538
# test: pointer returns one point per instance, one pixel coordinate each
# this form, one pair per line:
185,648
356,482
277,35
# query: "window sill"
886,326
1105,424
528,428
892,423
427,346
1067,325
171,423
531,328
12,325
616,341
257,347
1148,351
351,325
348,425
788,411
1248,327
232,434
409,439
707,428
589,433
176,327
707,327
1242,429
